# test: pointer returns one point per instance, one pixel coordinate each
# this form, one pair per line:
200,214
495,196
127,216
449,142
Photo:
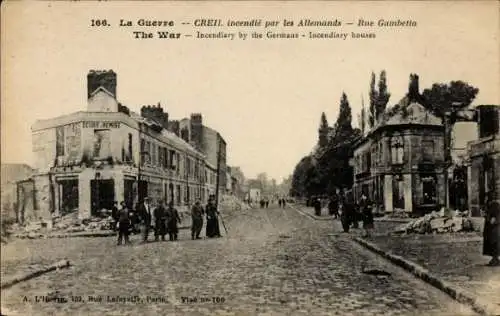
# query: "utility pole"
217,182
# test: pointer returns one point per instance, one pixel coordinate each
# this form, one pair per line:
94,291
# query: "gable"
102,101
412,113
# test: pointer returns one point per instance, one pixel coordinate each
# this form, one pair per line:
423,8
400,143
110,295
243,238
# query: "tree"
383,95
344,120
372,110
323,130
442,98
362,116
301,177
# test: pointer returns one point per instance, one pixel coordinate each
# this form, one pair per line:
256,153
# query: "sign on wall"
101,124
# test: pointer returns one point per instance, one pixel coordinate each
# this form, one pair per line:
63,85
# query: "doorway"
102,195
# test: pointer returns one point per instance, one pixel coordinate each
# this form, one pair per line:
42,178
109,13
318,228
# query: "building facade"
209,142
399,164
483,167
88,159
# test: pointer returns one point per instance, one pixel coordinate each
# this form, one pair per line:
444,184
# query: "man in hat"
173,219
160,215
145,214
197,220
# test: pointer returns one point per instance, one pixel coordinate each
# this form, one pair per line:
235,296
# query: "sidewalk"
451,262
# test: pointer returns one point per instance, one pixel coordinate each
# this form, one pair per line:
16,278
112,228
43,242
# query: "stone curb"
456,293
310,215
377,219
393,220
28,276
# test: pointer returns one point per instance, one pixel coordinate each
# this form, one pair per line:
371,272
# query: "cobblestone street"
273,261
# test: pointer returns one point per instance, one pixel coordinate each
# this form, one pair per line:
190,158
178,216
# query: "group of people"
282,202
349,212
163,220
212,214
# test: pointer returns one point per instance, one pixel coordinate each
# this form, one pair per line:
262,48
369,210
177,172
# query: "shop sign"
101,124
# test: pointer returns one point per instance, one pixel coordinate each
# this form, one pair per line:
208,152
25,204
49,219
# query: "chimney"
197,130
98,78
413,90
155,113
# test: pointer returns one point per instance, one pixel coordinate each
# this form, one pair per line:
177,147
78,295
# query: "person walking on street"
123,224
160,215
317,206
279,202
197,220
212,220
367,215
114,214
333,205
347,215
283,202
173,219
146,216
491,232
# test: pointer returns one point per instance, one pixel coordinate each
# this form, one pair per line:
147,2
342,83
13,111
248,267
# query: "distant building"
255,194
88,159
399,163
12,200
484,158
208,141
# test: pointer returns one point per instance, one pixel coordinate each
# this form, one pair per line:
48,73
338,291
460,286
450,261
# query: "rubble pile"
232,203
63,224
437,223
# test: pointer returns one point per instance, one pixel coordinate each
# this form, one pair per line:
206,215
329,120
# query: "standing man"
160,215
123,224
172,219
333,206
197,220
146,215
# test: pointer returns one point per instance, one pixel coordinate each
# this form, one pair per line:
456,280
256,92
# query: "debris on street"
437,222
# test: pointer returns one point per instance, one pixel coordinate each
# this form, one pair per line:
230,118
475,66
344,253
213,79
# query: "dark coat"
144,214
173,219
212,221
491,233
160,215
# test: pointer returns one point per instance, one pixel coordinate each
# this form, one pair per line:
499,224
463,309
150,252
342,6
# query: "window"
129,154
165,158
60,141
153,153
428,150
143,148
397,149
102,143
172,159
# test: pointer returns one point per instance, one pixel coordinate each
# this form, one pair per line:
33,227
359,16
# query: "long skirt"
172,227
212,227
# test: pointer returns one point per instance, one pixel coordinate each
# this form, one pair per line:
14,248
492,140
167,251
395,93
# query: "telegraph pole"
447,156
217,183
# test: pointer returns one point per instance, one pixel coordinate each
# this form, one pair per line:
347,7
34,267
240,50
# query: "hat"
146,199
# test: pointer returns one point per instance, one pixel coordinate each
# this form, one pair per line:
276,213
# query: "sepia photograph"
250,158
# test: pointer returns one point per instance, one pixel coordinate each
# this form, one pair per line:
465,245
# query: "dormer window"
397,150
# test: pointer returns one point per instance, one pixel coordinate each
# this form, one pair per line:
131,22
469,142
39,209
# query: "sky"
264,96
